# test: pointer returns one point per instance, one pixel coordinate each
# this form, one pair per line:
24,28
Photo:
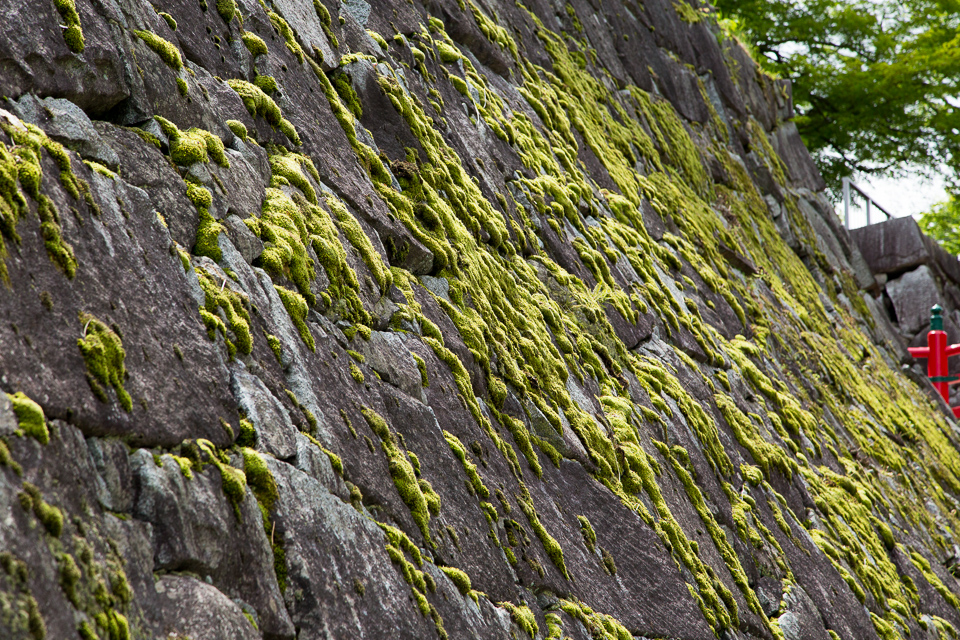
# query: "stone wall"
441,319
911,274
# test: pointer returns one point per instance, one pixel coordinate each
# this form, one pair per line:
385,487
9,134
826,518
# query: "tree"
943,223
875,81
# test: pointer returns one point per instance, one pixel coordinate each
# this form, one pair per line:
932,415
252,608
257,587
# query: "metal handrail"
849,184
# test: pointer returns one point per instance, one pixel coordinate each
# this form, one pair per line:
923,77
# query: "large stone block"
892,246
912,295
803,172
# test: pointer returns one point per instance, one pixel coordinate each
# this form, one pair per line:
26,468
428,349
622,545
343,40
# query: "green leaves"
874,81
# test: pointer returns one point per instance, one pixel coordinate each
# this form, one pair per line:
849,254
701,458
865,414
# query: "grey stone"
8,419
248,244
192,608
323,536
114,478
66,123
801,621
239,185
359,9
388,355
913,294
567,443
892,246
800,166
309,30
884,333
276,434
316,464
192,518
437,286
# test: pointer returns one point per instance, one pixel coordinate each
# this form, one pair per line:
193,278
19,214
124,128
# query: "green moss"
259,478
104,356
233,481
267,84
219,298
6,459
325,22
86,632
275,346
459,578
254,44
297,308
550,544
923,565
73,34
402,472
227,9
169,20
523,617
49,516
193,145
378,39
35,623
259,104
354,233
69,578
586,530
289,37
422,366
473,477
356,373
163,48
341,82
30,417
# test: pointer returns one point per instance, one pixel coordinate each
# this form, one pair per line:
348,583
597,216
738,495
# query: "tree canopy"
875,81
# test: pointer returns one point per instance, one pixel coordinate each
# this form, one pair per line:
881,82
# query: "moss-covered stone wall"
466,319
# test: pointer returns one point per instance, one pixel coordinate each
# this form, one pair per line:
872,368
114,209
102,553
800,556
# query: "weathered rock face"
467,320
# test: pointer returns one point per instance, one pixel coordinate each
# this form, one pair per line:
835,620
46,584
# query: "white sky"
907,196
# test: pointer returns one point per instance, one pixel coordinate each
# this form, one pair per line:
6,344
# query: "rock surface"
478,320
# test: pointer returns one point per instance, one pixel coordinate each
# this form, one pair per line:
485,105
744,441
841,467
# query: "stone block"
892,246
912,295
803,172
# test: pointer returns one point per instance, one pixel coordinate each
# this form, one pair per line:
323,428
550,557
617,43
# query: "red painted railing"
937,353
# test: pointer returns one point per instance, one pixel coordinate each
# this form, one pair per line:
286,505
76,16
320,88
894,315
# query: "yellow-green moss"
402,472
73,34
169,19
297,308
259,104
422,366
550,544
49,516
104,356
227,9
219,298
324,15
473,477
523,617
163,48
30,418
254,44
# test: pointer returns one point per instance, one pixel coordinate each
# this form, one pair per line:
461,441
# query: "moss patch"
103,354
73,34
163,48
259,104
30,417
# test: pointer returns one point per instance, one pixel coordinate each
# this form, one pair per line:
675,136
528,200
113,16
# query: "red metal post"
938,366
938,354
